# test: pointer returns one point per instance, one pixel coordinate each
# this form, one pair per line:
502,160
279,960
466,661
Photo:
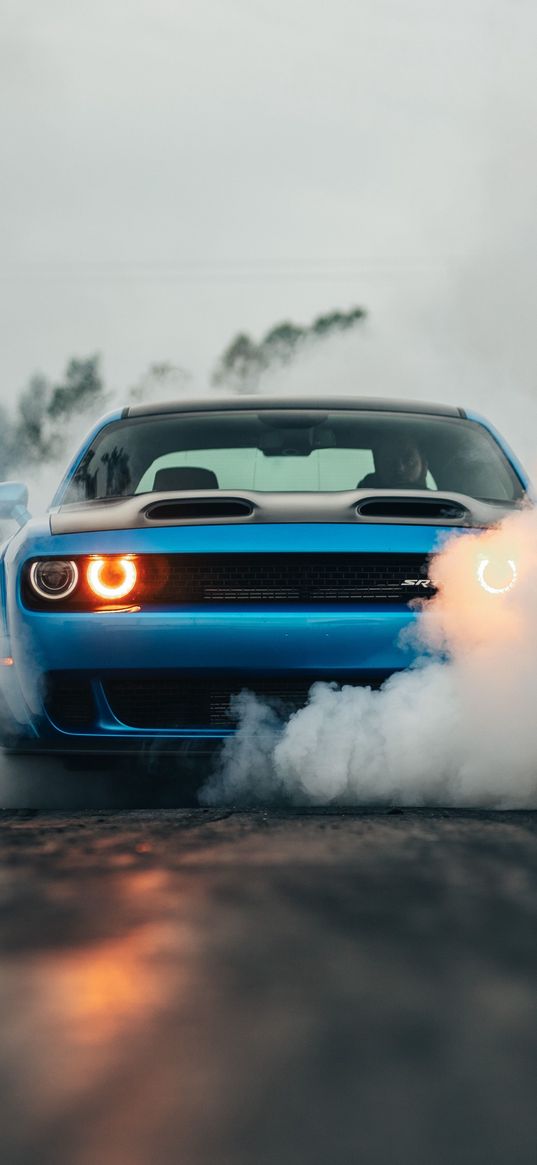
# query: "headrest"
185,477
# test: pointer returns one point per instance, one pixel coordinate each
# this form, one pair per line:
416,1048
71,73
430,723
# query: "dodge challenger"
199,548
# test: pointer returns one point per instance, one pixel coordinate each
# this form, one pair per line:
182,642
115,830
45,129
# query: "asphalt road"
180,987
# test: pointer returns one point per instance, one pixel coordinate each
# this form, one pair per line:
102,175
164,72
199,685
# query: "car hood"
226,507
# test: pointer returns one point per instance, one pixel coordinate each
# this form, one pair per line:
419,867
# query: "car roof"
258,403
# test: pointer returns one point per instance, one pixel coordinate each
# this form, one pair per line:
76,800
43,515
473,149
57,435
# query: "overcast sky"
177,170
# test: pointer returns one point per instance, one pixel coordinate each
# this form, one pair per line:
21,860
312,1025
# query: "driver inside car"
399,464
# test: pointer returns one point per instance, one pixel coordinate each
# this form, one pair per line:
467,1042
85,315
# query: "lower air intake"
158,700
203,701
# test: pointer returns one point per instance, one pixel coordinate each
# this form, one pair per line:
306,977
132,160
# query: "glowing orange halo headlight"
111,578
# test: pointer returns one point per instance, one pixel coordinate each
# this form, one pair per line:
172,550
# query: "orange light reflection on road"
104,988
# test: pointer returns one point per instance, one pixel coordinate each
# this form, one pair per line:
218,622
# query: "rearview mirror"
14,501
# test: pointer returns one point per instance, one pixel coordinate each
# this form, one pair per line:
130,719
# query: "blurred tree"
280,344
30,441
5,443
240,365
243,363
36,432
163,380
337,321
83,389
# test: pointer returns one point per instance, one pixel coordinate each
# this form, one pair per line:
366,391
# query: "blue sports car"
196,549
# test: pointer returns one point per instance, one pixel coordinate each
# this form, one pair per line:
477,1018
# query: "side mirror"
14,501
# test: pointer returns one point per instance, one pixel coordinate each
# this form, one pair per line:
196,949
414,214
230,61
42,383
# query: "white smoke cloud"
457,729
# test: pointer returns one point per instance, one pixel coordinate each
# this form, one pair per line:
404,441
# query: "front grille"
171,700
292,578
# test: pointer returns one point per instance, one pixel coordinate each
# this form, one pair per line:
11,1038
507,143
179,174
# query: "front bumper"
354,644
323,640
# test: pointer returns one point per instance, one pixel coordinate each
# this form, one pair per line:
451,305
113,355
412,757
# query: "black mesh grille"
152,700
69,700
295,578
197,702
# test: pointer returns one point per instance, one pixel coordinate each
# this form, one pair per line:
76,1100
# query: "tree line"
35,430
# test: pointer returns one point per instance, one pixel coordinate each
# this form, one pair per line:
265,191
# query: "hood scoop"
355,507
413,508
190,509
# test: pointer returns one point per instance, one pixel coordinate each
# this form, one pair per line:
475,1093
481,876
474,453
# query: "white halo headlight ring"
111,591
55,589
491,590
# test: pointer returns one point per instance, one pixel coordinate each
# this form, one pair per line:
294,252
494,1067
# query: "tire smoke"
459,728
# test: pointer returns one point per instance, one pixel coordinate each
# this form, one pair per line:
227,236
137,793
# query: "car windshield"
293,450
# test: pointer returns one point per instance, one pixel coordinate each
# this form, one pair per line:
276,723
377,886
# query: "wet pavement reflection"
196,986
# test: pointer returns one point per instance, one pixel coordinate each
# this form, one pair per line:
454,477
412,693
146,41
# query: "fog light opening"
111,578
497,577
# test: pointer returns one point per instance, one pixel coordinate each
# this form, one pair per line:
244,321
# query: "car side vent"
398,507
185,509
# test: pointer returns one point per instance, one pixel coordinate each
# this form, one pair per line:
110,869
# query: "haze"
174,173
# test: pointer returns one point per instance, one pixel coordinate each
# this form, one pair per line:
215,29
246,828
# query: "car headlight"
54,578
111,578
497,576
